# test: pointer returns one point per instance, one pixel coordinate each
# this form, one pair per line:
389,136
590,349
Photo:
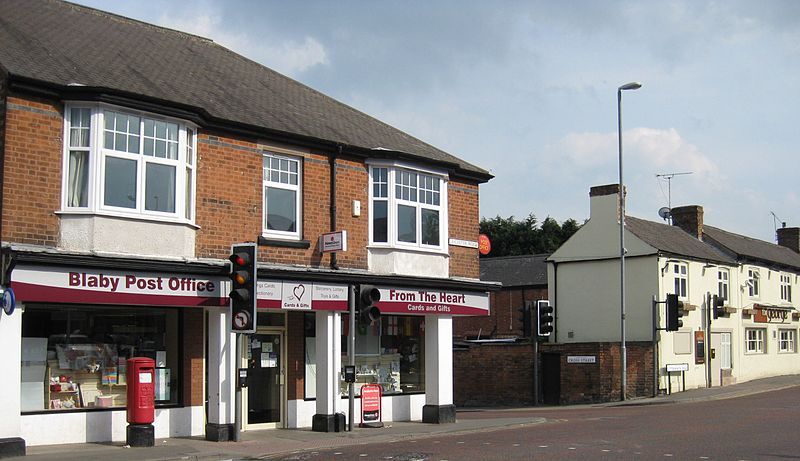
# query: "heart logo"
299,291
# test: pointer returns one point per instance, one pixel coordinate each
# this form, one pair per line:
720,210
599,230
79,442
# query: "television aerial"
664,212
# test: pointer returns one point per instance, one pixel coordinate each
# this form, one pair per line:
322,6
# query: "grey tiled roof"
671,239
514,271
58,44
752,249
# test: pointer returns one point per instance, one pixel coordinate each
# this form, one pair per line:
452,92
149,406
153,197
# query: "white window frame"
786,288
723,283
753,282
787,341
394,170
185,172
296,188
680,274
755,341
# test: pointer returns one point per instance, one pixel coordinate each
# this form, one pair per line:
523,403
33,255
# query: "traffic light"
368,297
716,305
545,314
243,287
525,319
674,313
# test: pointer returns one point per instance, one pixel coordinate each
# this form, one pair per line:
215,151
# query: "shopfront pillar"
221,373
11,444
439,406
329,364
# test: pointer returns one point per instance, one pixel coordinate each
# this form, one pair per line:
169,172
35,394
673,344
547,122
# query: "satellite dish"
664,213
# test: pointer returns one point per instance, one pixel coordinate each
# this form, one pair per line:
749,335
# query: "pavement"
267,444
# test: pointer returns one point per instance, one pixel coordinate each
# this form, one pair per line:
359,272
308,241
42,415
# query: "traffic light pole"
708,339
237,417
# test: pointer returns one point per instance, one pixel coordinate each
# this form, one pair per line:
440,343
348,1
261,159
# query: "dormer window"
128,163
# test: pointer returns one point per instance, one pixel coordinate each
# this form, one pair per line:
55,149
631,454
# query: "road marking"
516,444
571,448
606,451
338,453
542,446
363,455
668,455
487,443
459,442
704,457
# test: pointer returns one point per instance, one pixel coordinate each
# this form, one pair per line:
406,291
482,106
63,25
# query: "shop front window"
75,357
390,352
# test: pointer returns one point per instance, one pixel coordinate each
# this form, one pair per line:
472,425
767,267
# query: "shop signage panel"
301,296
91,286
432,302
770,314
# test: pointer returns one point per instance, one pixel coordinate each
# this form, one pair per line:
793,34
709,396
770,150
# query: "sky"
528,91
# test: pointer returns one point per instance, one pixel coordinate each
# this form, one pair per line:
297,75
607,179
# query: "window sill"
273,242
440,252
132,217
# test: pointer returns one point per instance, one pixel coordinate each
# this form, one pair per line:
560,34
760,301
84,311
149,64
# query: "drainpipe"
334,264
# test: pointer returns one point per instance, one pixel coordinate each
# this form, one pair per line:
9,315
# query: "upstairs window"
680,272
753,282
282,196
786,288
128,163
407,208
722,283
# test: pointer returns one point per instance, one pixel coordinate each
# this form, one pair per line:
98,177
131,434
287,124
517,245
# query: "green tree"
511,237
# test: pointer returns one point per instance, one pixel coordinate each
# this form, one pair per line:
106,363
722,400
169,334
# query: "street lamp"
623,352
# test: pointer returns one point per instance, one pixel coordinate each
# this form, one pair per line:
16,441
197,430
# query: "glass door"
263,404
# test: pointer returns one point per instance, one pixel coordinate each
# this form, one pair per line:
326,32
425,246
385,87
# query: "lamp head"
630,86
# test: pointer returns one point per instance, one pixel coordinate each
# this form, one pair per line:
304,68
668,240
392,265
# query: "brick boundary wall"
600,381
493,375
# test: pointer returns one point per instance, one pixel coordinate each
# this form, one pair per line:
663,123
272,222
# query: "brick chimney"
689,218
604,202
789,237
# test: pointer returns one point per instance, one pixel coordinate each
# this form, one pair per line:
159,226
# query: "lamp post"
623,352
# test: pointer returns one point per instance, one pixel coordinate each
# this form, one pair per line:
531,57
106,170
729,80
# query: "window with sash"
129,163
407,208
282,196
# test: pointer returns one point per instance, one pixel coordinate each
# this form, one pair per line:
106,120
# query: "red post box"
141,390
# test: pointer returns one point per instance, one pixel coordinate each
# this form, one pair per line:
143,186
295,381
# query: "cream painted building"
752,335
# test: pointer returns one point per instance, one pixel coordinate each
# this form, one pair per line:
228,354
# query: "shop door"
720,356
263,402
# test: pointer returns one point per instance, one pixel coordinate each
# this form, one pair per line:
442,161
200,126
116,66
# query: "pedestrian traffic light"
368,311
545,315
674,313
717,305
525,319
243,287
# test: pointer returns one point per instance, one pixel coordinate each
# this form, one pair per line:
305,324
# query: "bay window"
408,208
129,163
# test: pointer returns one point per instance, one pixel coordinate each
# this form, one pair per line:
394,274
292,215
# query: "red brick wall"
600,381
493,375
464,224
504,320
33,143
193,352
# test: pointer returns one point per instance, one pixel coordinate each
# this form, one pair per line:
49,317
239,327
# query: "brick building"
132,158
494,363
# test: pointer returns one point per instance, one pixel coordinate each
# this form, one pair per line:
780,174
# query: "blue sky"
527,90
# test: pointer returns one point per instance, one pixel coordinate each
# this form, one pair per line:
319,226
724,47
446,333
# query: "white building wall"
586,296
10,358
92,233
103,426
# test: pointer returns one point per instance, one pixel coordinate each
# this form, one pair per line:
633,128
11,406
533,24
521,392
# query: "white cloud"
649,147
287,56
